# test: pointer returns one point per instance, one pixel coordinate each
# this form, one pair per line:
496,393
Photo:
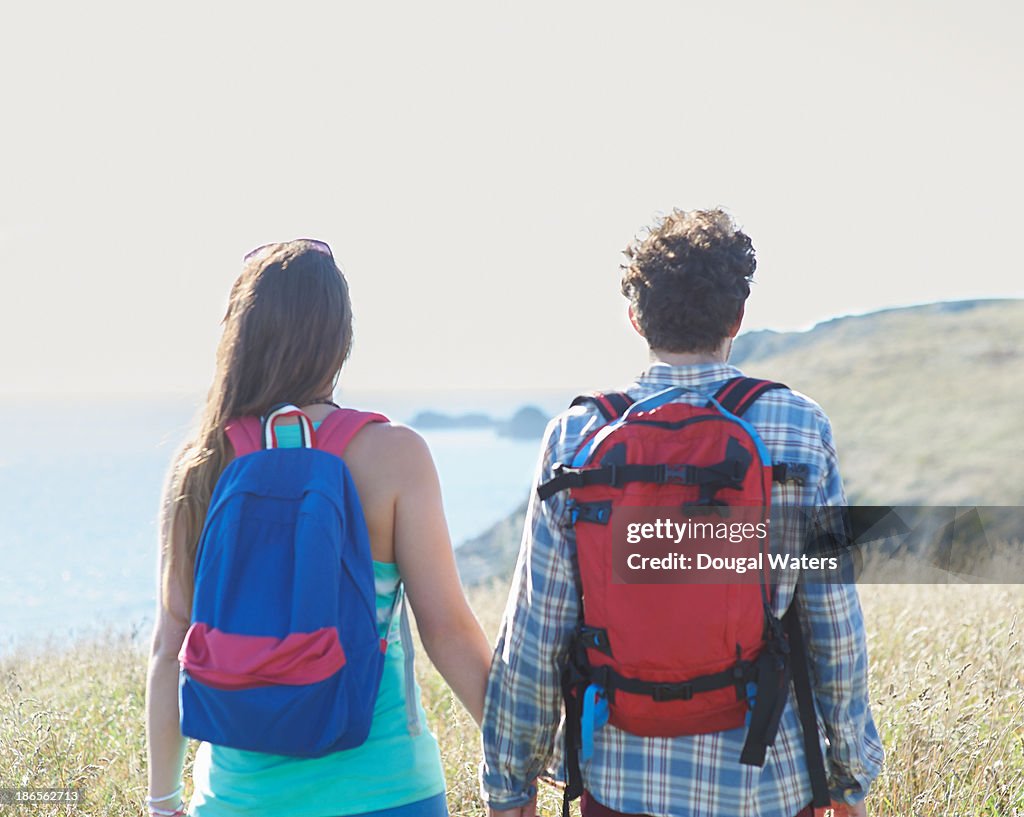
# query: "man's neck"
719,355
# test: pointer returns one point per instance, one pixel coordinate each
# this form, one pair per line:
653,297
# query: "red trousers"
589,807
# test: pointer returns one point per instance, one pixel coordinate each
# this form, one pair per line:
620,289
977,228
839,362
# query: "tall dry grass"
947,693
947,689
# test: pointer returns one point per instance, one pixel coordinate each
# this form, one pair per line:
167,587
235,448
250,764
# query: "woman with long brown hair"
287,332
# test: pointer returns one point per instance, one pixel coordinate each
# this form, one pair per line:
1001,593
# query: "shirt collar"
699,374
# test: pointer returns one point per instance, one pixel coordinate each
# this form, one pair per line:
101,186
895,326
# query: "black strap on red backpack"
735,396
820,797
739,394
612,405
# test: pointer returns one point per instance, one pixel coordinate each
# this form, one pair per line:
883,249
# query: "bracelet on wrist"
163,810
176,793
155,811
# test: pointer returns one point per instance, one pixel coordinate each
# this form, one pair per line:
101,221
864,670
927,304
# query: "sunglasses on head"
264,249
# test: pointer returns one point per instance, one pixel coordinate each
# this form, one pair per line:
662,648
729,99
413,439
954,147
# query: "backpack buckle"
597,512
672,692
595,638
798,472
707,507
571,513
677,473
561,471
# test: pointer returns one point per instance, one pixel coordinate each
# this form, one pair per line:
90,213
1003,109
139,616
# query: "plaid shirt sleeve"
523,704
833,624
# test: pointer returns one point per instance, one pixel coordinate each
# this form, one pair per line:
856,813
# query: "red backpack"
664,658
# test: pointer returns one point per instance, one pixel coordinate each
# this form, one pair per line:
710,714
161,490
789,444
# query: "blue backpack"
283,654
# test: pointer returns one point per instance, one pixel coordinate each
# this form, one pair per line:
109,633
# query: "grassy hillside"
926,406
925,401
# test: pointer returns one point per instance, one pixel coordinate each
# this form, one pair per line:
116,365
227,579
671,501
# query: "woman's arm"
164,741
450,632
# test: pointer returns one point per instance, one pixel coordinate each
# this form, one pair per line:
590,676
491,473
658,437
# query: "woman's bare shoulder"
390,448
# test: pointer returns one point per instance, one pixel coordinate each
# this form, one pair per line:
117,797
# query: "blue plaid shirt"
694,775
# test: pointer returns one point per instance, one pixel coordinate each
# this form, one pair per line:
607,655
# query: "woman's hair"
688,278
287,332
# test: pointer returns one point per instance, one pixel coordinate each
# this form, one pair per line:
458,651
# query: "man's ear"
734,330
632,320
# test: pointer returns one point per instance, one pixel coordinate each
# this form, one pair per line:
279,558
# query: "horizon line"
198,394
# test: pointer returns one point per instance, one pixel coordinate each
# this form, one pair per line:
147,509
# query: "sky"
478,168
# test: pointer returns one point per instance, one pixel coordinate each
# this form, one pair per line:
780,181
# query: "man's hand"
529,810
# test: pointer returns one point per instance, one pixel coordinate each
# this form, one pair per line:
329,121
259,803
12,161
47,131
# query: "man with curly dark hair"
687,280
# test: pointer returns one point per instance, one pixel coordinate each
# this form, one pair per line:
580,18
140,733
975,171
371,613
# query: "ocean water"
80,483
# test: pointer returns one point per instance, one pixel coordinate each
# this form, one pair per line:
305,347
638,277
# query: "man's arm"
523,704
833,624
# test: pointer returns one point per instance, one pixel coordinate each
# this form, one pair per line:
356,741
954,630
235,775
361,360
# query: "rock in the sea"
528,423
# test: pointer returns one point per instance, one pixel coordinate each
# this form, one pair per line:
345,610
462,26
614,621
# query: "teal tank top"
392,768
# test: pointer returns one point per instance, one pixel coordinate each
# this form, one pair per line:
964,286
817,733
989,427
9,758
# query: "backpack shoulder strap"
739,394
245,435
341,425
612,405
804,690
333,435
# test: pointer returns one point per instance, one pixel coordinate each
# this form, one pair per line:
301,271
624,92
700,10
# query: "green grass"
947,690
925,403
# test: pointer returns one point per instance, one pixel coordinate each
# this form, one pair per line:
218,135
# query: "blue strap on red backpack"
283,654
